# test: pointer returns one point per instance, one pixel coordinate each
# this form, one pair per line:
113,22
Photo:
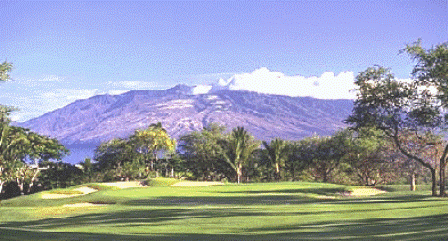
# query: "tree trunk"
277,172
239,173
442,177
33,179
172,172
325,176
20,185
412,181
293,172
425,164
434,182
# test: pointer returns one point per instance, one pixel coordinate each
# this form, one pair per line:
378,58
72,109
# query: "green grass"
161,181
272,211
66,192
100,187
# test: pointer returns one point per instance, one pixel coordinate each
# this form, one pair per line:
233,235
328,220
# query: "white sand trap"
366,192
123,184
85,190
84,204
57,196
196,184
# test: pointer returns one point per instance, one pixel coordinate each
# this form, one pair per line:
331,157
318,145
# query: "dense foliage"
410,113
19,149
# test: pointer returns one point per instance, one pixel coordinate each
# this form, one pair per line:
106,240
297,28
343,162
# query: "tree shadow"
318,191
433,227
422,228
233,201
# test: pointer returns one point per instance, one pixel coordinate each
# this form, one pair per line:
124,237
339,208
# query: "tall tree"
276,152
431,71
396,108
112,154
238,148
125,157
20,145
150,141
203,153
371,157
300,156
329,153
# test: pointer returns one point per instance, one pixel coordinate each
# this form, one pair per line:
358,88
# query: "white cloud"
46,78
134,85
327,86
69,94
116,92
201,89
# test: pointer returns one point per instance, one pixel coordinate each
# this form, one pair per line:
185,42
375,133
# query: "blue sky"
63,51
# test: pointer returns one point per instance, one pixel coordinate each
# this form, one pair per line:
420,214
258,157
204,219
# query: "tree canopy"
415,107
5,68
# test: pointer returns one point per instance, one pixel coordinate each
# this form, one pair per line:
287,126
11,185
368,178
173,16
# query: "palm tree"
276,152
5,68
238,148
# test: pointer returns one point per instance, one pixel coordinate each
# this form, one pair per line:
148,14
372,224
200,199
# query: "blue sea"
78,153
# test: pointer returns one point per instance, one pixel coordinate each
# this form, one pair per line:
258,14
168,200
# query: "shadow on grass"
319,191
406,198
144,217
422,228
264,198
219,200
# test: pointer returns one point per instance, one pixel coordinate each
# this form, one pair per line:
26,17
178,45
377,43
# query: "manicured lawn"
274,211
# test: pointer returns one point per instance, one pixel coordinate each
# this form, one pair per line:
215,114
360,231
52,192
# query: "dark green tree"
371,158
329,153
277,153
202,153
237,149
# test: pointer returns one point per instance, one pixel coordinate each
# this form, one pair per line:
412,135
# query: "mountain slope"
103,117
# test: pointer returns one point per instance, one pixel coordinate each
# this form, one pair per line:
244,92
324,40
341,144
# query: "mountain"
103,117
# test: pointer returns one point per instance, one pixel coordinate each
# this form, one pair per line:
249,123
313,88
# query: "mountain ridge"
103,117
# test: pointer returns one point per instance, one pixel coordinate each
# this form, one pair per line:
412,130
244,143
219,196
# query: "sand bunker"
84,190
123,184
196,184
366,192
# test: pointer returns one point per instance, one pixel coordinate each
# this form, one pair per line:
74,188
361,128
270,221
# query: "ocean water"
78,153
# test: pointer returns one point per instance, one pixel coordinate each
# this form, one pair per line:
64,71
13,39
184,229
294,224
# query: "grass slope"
274,211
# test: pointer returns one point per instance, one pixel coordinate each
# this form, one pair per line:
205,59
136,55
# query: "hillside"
103,117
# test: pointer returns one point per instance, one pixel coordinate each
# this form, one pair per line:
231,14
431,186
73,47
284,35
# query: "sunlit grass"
272,211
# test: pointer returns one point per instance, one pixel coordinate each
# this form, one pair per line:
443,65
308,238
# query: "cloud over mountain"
327,86
49,93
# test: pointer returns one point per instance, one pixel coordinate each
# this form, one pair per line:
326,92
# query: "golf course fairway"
260,211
